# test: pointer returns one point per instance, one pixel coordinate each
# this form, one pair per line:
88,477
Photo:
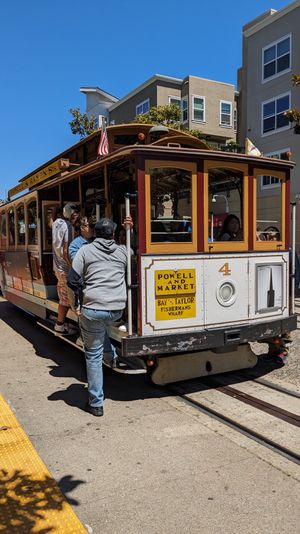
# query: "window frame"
277,74
201,121
177,247
185,99
147,100
269,155
226,246
18,245
269,245
8,245
3,240
28,245
274,99
231,109
171,97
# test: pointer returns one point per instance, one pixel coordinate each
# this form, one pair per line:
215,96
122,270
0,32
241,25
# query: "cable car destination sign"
38,177
175,294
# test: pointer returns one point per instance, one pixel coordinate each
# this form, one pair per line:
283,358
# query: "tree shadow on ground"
26,502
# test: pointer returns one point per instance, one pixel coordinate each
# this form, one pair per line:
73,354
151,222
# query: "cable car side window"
269,209
171,206
32,223
11,227
21,229
3,229
226,193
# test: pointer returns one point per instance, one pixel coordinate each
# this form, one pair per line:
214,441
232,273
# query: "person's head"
105,228
231,225
86,227
71,212
57,213
272,233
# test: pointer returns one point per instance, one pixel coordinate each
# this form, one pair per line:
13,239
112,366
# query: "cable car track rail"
223,417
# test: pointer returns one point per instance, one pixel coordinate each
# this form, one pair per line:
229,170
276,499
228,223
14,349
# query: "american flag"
103,144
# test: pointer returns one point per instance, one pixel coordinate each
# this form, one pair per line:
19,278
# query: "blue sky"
50,48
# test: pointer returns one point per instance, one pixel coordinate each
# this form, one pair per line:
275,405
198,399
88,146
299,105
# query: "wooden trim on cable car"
269,245
168,247
226,246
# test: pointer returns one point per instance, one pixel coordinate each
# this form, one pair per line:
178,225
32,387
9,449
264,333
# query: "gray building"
271,54
206,105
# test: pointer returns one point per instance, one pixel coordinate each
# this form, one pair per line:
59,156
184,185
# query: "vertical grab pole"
128,248
212,226
293,204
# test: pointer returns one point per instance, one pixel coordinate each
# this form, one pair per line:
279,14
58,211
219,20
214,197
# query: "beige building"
271,54
206,105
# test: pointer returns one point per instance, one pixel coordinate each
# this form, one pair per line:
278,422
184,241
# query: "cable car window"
3,229
32,223
226,193
171,205
20,225
268,209
11,227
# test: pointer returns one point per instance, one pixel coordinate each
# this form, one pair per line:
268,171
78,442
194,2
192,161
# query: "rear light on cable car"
226,293
150,362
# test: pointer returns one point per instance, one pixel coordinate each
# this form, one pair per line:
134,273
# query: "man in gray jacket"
100,268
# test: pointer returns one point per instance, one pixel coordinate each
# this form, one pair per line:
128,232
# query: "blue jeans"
94,324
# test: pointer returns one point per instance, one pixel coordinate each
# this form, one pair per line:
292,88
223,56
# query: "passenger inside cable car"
231,229
226,201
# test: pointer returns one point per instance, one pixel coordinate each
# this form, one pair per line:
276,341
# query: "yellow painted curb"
30,500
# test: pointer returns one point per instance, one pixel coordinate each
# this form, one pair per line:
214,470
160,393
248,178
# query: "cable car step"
196,364
129,366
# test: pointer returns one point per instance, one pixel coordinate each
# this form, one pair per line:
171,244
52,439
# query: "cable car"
211,266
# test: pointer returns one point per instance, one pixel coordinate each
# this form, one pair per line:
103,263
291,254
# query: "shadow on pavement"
31,504
119,387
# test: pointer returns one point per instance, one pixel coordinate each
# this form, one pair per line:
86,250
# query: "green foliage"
81,123
296,79
167,115
232,146
293,115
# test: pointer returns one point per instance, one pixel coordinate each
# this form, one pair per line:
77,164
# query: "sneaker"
94,410
65,329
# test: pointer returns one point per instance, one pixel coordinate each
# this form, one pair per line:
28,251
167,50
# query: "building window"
235,119
143,107
270,181
277,58
273,118
184,109
225,114
198,108
176,100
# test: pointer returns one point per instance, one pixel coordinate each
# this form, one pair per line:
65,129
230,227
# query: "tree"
81,123
293,115
167,115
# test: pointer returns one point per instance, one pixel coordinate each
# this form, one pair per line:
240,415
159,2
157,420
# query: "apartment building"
206,105
271,54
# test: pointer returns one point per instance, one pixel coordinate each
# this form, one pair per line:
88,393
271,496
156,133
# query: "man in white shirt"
61,238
